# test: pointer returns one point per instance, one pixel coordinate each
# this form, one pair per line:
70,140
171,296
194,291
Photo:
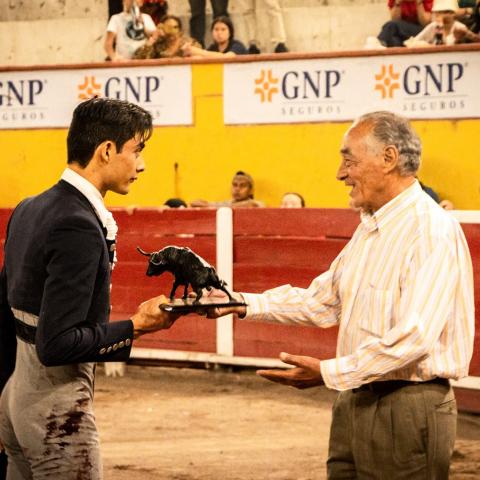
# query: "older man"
401,292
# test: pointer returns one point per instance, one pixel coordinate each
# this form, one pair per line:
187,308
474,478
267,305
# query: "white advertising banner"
47,98
432,85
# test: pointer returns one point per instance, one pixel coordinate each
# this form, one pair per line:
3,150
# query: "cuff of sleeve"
335,374
118,344
256,305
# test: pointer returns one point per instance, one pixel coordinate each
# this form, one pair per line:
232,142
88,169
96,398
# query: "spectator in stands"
408,17
469,14
277,27
292,200
168,40
157,9
175,203
401,292
242,194
197,20
127,31
223,35
444,30
224,43
445,204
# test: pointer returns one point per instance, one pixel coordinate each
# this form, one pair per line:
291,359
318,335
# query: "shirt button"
102,351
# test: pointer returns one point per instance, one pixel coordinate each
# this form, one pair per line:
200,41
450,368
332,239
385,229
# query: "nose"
140,164
342,172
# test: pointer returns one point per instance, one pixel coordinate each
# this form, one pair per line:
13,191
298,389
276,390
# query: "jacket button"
102,351
109,349
128,342
115,346
121,344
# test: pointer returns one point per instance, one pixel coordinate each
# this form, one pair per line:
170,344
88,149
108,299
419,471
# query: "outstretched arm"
306,373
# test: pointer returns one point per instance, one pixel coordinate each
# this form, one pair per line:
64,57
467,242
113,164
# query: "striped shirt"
401,292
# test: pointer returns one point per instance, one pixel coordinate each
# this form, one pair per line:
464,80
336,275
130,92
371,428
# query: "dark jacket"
233,46
56,266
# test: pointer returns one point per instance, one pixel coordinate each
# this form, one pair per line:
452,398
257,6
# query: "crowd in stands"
143,29
242,196
420,23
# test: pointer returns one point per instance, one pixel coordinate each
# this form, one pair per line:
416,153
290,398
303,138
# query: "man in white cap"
445,30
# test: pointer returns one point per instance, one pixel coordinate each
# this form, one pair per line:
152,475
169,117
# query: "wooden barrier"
270,247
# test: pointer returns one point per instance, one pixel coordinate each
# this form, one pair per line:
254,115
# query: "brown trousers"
408,433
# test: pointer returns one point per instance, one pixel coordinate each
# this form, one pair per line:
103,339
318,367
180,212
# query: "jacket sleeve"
77,278
8,339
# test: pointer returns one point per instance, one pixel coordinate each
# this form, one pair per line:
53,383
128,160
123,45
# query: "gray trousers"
407,434
46,419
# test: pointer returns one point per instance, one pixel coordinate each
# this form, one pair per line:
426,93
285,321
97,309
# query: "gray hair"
391,129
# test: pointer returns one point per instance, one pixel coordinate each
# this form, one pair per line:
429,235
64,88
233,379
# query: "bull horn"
143,252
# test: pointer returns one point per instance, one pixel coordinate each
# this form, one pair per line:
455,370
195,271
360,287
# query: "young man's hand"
150,317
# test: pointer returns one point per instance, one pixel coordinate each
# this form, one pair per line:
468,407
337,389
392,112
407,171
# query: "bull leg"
199,293
174,289
185,291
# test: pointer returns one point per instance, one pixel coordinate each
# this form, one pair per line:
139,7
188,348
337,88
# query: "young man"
401,292
55,293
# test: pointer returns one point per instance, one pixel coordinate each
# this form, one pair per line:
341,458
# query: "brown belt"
389,386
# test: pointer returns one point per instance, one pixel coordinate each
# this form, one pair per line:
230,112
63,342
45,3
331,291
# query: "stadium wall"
199,161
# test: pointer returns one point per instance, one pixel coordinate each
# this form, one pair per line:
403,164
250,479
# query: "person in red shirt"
408,17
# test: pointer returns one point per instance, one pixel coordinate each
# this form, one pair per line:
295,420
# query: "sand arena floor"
191,424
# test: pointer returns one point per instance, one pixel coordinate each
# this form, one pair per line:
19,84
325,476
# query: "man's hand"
220,312
306,374
150,317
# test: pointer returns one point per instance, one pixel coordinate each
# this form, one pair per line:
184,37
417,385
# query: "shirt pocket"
377,311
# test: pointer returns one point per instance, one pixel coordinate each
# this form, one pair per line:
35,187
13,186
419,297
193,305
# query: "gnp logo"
419,80
139,89
24,93
296,85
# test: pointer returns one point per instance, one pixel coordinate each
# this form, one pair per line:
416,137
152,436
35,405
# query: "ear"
390,158
105,150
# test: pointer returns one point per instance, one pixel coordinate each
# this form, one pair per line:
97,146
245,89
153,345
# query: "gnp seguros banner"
47,98
436,85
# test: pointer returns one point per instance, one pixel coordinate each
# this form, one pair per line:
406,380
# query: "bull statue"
187,267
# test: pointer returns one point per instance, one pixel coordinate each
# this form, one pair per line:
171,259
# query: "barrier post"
224,244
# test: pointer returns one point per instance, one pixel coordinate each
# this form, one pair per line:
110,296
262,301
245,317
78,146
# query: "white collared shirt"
95,198
401,292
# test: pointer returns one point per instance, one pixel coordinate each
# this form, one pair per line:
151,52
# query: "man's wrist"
420,3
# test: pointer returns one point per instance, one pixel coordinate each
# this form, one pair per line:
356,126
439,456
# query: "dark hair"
175,203
172,17
227,22
100,119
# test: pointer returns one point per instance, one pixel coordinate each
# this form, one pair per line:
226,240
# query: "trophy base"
179,305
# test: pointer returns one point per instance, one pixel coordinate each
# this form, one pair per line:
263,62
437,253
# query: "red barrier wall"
271,247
